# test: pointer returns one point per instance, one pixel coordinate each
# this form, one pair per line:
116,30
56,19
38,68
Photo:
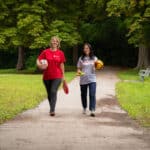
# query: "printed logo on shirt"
56,56
88,62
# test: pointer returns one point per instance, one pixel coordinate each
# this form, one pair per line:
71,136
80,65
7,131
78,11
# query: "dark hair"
91,55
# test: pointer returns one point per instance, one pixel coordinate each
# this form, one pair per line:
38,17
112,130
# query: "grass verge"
134,97
20,92
33,70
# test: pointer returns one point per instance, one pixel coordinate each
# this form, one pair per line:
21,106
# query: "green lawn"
32,70
14,71
134,97
20,92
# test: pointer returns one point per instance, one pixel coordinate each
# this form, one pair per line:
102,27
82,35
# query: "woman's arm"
78,70
40,65
62,66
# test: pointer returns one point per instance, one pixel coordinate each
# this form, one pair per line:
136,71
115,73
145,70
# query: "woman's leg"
92,93
53,92
47,84
84,95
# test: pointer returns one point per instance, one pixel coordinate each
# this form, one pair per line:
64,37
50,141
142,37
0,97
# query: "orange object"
99,64
65,87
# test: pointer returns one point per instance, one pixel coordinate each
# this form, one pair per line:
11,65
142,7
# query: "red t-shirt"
54,59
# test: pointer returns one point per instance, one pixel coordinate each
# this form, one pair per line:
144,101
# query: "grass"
134,97
20,92
7,71
14,71
131,74
32,70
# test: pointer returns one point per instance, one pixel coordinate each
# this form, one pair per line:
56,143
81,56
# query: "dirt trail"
111,129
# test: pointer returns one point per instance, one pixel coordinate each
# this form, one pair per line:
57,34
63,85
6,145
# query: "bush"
31,62
70,68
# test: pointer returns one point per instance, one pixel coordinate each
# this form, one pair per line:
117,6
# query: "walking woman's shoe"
84,111
92,114
52,114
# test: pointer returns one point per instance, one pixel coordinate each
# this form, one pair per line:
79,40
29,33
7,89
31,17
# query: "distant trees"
21,24
28,25
136,15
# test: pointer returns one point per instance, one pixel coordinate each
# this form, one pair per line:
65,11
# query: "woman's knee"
92,96
53,92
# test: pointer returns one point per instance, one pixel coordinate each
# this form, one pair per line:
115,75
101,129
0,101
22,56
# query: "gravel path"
111,129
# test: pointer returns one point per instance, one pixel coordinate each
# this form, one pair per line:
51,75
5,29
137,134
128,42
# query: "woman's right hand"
41,66
79,72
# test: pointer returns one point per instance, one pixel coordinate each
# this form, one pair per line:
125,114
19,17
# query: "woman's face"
86,50
54,43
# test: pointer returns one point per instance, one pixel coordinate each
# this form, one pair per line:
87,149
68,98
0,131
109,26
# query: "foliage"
20,98
134,96
30,25
70,68
10,55
25,23
31,61
136,14
66,31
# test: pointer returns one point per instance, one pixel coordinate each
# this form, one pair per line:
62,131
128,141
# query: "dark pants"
92,92
52,88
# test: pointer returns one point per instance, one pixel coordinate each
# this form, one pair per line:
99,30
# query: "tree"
21,23
136,15
7,29
31,24
71,11
66,32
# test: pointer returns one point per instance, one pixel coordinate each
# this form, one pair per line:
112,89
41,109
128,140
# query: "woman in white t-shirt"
86,65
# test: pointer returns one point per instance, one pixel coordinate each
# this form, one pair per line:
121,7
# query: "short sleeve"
42,55
95,58
79,63
63,59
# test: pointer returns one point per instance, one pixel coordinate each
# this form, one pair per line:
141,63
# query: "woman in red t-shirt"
51,61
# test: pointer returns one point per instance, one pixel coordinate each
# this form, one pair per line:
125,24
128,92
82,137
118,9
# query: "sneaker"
92,114
84,111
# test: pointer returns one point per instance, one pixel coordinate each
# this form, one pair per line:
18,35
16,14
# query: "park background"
118,30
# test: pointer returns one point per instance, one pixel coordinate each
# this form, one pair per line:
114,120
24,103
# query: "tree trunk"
143,57
75,54
20,62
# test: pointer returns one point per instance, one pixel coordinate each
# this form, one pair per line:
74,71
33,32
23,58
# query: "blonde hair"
58,40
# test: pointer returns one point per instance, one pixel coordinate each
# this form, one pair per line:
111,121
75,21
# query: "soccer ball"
44,64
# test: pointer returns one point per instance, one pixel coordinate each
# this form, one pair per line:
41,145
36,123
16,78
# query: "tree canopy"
107,24
136,15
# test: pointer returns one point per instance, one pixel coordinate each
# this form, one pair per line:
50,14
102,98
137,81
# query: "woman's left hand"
65,87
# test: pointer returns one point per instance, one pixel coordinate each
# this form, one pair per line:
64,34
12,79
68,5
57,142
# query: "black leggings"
52,88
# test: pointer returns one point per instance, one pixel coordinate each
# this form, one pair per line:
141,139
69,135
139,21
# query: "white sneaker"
92,114
84,111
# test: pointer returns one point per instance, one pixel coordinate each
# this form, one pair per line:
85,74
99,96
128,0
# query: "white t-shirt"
87,66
